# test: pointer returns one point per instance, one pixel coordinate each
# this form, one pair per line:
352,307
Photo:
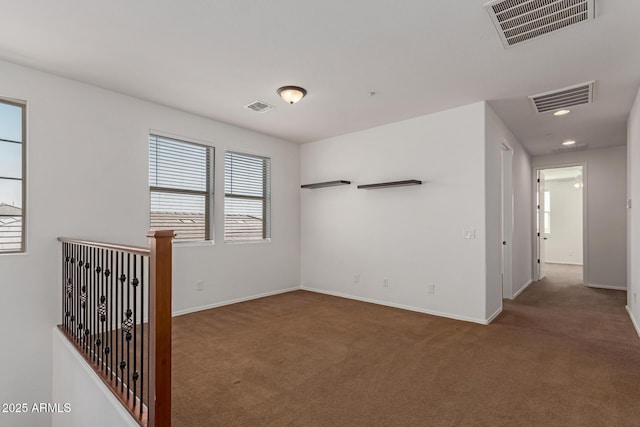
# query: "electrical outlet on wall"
385,283
470,233
199,285
431,288
356,278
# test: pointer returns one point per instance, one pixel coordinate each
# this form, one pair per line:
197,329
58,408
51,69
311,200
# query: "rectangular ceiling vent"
521,20
563,98
259,107
571,148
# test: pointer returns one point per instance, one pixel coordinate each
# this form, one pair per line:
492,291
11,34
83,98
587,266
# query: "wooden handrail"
160,328
138,250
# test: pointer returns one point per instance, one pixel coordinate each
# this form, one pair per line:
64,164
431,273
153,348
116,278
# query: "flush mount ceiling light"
570,142
291,94
561,112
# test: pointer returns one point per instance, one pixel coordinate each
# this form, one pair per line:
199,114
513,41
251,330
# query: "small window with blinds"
247,197
180,182
12,176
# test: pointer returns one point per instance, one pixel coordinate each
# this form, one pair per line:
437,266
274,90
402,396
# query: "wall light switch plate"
469,233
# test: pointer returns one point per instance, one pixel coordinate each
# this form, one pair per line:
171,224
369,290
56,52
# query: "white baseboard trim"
633,320
493,316
615,288
401,306
521,290
232,301
563,262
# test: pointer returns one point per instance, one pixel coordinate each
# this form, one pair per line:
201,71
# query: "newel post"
160,243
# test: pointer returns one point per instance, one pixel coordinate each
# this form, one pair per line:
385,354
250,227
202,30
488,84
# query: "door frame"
506,219
585,222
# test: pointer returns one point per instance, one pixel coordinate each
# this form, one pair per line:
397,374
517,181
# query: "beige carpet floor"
559,355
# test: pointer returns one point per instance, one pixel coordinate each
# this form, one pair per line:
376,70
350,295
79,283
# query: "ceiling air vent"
563,98
571,148
259,107
521,20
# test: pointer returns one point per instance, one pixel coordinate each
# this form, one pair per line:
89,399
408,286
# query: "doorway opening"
560,226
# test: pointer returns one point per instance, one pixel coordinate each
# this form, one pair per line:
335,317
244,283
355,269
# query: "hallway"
560,304
583,346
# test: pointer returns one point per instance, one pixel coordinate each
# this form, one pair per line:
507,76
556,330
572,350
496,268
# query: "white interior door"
507,221
541,235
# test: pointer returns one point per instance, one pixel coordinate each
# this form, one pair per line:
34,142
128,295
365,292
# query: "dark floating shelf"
326,184
390,184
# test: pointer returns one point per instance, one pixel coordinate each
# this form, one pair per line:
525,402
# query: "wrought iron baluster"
129,315
74,292
122,364
100,310
88,303
82,323
134,283
142,359
111,313
92,303
118,321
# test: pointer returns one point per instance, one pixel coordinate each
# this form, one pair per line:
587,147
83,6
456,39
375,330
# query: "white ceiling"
213,57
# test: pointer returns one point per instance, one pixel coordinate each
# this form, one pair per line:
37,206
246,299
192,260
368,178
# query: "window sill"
192,243
14,253
246,242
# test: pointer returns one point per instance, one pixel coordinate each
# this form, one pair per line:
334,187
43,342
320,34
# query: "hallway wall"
605,191
633,147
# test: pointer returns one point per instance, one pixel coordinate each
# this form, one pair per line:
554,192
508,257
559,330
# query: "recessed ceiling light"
570,142
561,112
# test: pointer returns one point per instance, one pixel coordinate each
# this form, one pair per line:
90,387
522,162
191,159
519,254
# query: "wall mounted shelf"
390,184
326,184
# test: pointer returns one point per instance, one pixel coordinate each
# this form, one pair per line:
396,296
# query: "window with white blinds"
180,182
247,197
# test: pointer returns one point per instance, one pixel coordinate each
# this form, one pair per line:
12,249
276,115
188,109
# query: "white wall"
522,220
606,225
82,397
564,243
496,134
633,191
87,177
411,235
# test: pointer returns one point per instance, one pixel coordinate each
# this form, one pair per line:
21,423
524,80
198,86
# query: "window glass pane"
10,232
547,201
11,192
10,160
181,191
183,213
243,219
177,164
10,215
247,197
244,175
11,179
10,122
